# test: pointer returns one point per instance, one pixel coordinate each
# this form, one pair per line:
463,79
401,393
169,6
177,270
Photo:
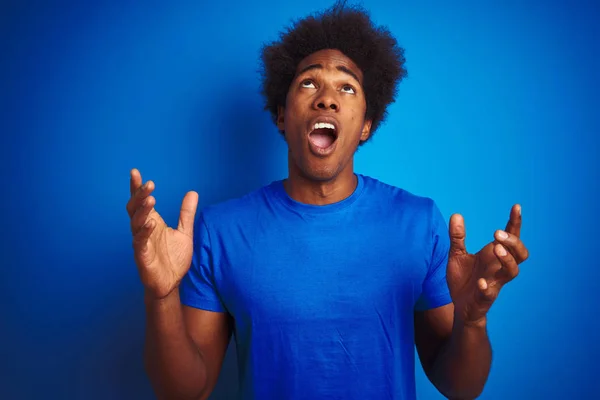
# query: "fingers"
140,239
188,213
489,289
140,195
487,292
141,215
457,234
513,244
510,268
135,181
514,222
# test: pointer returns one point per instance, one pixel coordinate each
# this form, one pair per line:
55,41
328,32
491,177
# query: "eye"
308,84
348,89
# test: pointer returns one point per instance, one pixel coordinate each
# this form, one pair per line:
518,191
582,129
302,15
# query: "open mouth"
323,135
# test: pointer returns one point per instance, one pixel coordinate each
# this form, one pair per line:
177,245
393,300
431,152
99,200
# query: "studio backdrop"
500,106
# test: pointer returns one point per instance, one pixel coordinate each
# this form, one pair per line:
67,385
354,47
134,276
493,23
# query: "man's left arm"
455,357
452,340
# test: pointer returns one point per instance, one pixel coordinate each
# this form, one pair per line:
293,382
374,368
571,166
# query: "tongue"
321,138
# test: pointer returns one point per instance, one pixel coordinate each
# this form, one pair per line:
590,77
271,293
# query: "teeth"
323,125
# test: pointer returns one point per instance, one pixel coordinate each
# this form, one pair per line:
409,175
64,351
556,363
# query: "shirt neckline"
281,194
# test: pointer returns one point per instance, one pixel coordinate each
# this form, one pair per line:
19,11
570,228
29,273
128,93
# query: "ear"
366,132
280,118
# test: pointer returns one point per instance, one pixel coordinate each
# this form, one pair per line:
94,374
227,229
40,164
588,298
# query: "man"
327,278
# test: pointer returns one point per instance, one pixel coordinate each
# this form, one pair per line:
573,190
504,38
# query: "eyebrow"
339,68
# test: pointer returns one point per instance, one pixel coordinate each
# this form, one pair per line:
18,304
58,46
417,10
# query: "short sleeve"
435,292
197,288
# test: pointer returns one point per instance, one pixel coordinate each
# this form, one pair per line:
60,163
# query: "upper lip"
322,118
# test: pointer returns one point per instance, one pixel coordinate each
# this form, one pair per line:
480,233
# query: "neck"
320,192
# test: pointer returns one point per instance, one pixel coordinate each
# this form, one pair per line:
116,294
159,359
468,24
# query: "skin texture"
185,347
324,91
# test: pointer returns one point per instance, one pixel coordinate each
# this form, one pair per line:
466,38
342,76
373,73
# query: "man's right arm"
184,348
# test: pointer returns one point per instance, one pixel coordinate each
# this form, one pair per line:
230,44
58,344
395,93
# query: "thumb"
188,213
457,235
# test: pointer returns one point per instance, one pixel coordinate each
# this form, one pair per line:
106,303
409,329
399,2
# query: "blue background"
500,106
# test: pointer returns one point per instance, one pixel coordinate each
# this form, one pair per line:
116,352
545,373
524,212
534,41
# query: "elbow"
457,387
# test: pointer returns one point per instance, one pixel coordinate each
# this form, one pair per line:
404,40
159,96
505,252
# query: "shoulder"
392,198
238,209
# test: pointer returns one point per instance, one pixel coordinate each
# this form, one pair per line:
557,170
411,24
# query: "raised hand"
475,280
163,255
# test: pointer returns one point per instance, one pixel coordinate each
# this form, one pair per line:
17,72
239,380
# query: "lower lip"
321,151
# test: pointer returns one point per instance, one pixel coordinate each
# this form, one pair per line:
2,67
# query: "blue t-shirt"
323,297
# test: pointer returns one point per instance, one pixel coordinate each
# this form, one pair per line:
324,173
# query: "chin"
316,169
320,173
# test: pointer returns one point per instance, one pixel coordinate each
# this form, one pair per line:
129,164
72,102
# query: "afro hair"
350,30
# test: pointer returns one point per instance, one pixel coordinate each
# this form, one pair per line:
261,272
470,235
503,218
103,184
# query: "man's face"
324,117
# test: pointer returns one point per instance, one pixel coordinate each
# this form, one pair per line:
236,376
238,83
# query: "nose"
326,101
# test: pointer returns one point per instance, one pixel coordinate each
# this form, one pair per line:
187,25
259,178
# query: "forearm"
173,363
462,365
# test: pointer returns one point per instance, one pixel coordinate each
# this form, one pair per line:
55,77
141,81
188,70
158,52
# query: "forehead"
330,59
